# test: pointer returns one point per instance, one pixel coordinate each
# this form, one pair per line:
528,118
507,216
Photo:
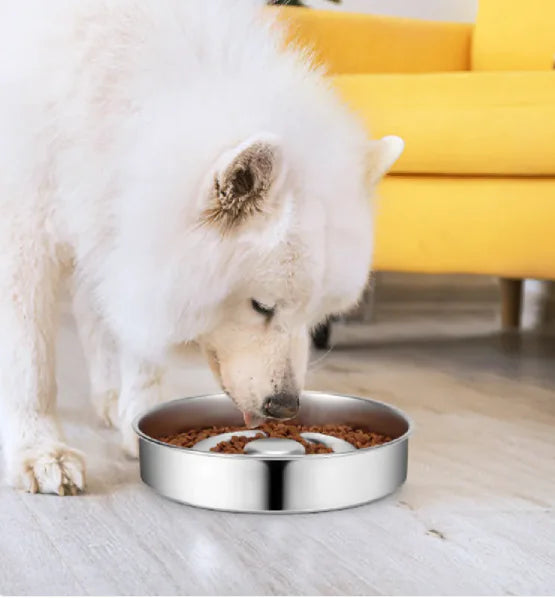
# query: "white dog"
198,183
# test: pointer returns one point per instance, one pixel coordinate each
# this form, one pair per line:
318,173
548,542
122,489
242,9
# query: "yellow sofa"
474,191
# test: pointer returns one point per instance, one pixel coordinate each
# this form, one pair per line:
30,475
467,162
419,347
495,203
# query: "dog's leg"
141,384
37,458
100,349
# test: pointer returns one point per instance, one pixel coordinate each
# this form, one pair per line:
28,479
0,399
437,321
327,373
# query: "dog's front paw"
129,441
106,407
143,399
52,468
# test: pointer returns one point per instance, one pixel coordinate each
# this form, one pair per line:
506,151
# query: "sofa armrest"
359,43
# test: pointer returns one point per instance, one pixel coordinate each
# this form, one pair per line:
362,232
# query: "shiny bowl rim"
211,454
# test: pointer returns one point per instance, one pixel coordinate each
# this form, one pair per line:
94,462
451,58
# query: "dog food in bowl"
358,438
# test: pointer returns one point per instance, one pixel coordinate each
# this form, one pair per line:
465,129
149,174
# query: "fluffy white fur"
117,120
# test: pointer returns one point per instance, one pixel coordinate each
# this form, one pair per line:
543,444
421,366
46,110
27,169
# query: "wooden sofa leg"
511,302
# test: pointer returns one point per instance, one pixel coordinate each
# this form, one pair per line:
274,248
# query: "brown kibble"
360,439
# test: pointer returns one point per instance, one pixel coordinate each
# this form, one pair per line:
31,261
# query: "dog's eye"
262,309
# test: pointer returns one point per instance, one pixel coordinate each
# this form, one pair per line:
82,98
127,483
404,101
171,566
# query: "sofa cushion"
514,35
478,225
499,123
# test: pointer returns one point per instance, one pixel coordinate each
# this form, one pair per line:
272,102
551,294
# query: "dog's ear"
382,153
243,183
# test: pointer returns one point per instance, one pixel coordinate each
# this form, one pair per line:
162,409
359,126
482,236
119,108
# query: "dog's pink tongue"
252,420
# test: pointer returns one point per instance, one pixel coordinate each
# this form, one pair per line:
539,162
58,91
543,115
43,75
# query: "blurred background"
425,38
441,10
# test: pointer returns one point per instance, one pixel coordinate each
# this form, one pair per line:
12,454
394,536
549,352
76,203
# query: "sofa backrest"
350,43
516,35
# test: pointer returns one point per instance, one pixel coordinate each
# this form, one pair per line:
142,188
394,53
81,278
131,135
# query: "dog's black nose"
282,405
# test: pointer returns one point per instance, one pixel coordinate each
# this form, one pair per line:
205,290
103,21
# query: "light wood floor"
476,515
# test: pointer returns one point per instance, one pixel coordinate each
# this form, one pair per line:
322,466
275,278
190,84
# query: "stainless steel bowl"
261,482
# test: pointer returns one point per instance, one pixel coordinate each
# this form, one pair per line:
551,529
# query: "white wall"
440,10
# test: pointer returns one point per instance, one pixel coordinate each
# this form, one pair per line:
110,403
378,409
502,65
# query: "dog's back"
204,73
